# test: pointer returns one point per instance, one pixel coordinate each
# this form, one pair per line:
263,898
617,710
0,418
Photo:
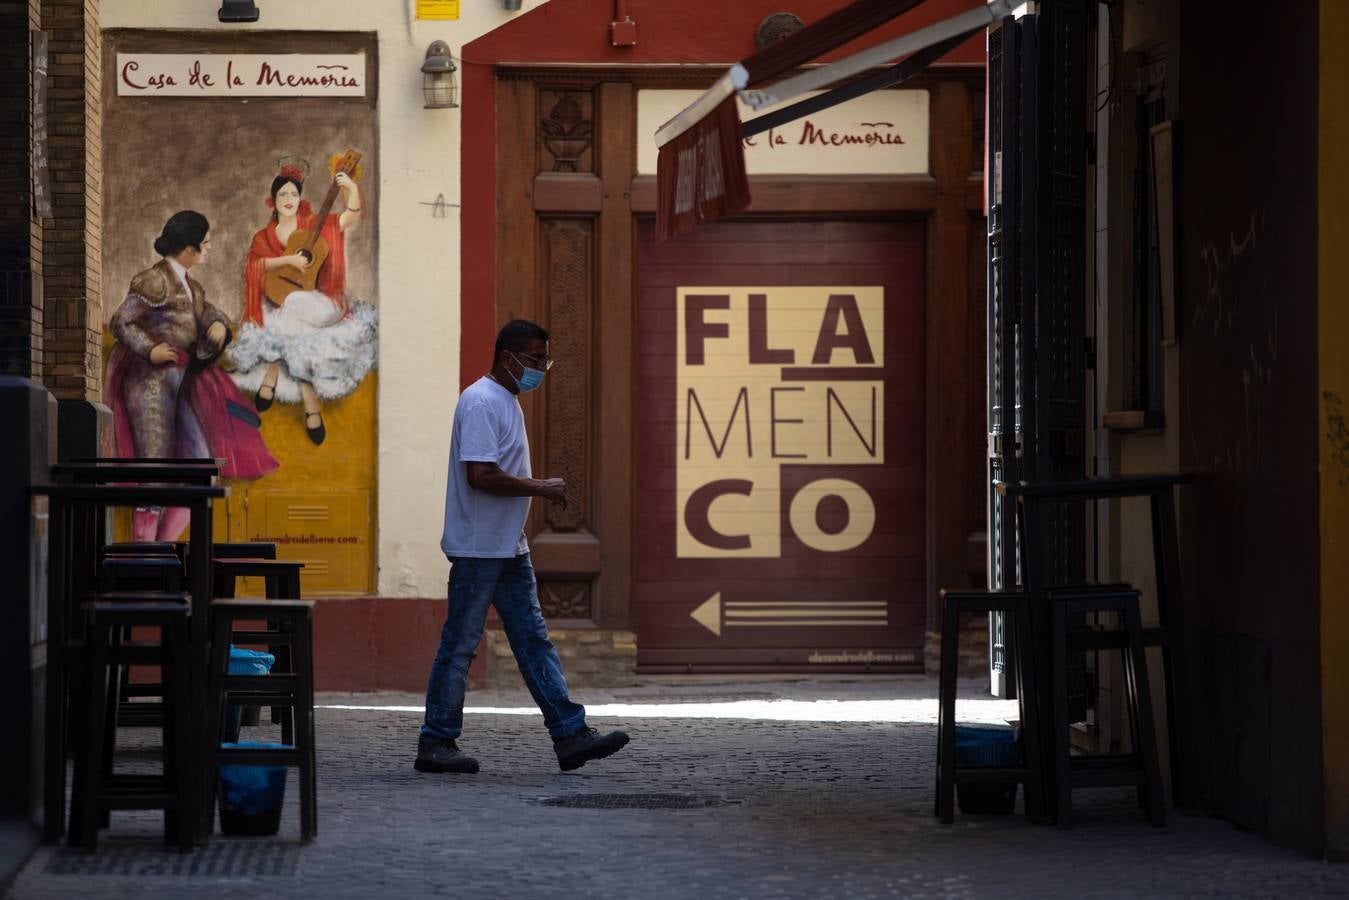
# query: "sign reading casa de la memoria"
241,75
881,133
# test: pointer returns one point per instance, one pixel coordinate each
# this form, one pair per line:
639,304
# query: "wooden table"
1034,502
138,472
77,530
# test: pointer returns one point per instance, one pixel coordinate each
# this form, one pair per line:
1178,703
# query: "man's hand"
554,490
163,354
215,336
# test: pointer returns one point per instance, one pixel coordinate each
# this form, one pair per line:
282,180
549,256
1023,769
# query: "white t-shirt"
489,426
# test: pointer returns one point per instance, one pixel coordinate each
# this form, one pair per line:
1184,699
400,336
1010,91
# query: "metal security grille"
637,801
1036,293
221,859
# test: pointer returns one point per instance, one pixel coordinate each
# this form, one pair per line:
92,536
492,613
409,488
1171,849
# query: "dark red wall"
1247,152
693,32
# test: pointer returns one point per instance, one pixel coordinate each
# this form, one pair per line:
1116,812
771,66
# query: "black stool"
119,571
281,577
151,566
144,548
281,581
97,789
1140,766
949,770
243,550
292,689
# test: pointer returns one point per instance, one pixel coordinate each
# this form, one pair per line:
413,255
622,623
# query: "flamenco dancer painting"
168,397
302,338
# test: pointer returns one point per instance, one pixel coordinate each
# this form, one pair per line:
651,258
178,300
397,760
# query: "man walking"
486,502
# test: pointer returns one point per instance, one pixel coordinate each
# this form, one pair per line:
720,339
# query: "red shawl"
227,419
332,280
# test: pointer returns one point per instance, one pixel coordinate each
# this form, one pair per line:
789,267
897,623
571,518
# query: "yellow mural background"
327,492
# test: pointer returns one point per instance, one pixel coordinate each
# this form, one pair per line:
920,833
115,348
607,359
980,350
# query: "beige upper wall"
418,255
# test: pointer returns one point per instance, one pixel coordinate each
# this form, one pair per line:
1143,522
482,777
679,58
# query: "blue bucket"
987,745
251,796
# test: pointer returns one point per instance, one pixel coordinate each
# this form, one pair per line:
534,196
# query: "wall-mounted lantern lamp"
440,84
510,5
237,11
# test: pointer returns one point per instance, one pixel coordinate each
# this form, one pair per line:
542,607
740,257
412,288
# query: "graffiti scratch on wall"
1239,314
1221,302
1337,434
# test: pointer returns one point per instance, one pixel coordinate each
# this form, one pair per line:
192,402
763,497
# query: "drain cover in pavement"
636,801
220,859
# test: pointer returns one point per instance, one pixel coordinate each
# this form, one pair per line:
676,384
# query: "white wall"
419,264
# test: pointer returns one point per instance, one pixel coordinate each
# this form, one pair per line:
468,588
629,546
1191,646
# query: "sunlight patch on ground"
968,710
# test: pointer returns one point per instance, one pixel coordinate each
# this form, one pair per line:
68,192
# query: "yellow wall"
1333,356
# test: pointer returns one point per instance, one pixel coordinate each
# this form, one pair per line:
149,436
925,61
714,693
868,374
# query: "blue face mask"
529,378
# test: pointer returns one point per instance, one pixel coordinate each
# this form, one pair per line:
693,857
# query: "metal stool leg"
1063,775
1145,736
89,766
304,724
946,710
1026,700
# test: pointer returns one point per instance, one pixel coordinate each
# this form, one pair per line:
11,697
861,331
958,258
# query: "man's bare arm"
488,477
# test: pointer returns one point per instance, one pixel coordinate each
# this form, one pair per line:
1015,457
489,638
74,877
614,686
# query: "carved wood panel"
568,288
565,599
566,131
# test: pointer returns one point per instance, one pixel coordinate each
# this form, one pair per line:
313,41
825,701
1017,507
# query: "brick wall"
20,233
591,657
72,332
973,648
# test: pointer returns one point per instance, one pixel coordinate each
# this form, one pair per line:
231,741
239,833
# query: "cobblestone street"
752,788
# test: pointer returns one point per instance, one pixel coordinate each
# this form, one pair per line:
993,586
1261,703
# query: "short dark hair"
517,334
186,228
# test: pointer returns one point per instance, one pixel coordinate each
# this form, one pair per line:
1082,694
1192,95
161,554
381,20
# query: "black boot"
577,749
444,756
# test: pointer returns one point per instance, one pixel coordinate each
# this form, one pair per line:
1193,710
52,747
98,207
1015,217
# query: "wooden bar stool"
243,550
281,577
145,567
281,581
950,771
1140,766
292,689
144,548
97,788
139,572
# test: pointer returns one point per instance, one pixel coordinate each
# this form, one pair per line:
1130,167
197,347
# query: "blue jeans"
509,584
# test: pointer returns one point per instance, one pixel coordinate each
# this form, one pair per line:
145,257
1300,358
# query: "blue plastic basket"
251,796
244,662
987,745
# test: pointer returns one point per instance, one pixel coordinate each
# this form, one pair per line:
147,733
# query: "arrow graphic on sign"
714,615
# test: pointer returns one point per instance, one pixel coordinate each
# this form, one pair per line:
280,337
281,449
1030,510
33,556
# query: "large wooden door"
780,438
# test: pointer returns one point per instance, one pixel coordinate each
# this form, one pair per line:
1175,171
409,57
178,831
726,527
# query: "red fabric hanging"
700,175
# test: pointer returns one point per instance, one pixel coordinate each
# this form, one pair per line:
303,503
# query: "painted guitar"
283,280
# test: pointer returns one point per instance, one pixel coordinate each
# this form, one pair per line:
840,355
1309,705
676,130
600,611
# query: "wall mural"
168,396
240,254
302,338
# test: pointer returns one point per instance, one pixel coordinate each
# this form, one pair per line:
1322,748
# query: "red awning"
701,167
